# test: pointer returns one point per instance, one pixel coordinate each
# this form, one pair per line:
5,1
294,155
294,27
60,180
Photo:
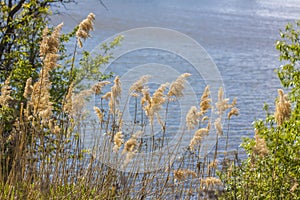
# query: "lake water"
239,35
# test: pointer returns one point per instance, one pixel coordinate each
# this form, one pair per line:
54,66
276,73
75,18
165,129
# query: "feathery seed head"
5,92
176,88
234,102
283,108
99,113
115,94
197,138
98,87
222,103
130,148
138,86
106,96
28,88
79,101
182,174
146,96
116,88
233,111
49,44
84,29
260,147
118,141
205,101
131,144
192,118
218,126
158,98
67,107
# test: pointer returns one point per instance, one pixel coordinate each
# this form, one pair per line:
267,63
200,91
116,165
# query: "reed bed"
45,156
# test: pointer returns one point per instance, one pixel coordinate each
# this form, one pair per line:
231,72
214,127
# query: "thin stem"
135,110
227,135
165,124
216,149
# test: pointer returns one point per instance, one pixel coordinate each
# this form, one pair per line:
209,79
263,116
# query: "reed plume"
176,87
197,138
218,126
205,101
233,111
84,29
283,108
183,174
222,104
159,98
260,147
192,118
139,85
40,96
106,96
210,182
28,88
115,94
99,114
118,141
130,148
5,93
213,164
146,98
50,44
97,88
234,102
146,102
79,101
154,103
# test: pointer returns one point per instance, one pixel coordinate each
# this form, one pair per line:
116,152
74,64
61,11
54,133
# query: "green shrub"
272,170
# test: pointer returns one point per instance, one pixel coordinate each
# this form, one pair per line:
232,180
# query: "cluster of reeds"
44,157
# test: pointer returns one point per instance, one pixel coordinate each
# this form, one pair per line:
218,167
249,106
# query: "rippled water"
239,35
